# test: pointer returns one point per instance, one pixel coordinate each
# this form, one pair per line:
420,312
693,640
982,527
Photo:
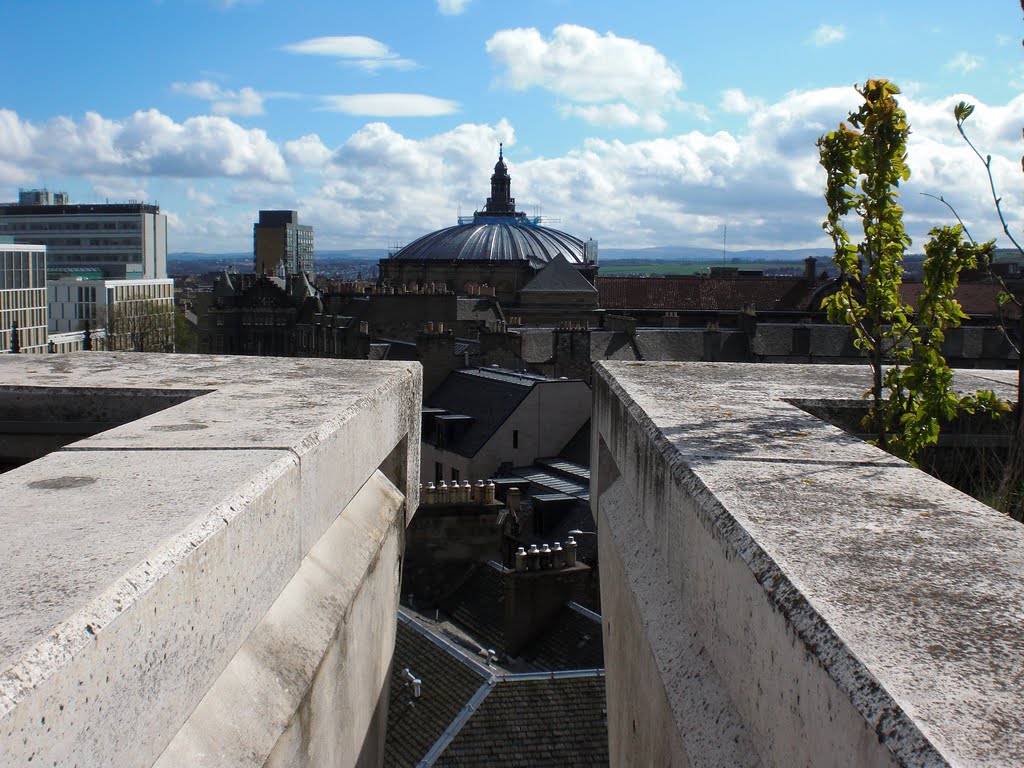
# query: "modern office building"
280,245
22,297
135,314
124,240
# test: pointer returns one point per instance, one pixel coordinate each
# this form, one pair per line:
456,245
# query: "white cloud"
737,102
827,34
963,62
390,105
307,151
364,52
203,198
615,115
148,143
633,83
382,187
246,102
452,7
378,187
117,189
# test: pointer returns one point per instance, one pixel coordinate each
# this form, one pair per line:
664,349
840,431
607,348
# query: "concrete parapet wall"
776,592
240,549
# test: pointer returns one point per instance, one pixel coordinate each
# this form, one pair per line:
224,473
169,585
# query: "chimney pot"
557,556
520,559
570,552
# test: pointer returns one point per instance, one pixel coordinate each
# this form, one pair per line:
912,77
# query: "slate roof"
478,606
572,641
379,351
537,345
688,344
681,292
489,395
559,277
611,345
534,723
489,240
447,684
975,298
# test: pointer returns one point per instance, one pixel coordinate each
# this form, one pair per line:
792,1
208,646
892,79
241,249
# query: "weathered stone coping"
908,594
134,563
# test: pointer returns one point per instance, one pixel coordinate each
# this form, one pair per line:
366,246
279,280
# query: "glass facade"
22,297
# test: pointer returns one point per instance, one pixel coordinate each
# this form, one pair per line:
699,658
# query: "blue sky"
638,124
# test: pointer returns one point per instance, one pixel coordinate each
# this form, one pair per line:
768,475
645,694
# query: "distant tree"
141,326
911,391
186,337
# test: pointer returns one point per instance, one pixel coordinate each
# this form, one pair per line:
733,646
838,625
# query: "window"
438,471
455,475
515,438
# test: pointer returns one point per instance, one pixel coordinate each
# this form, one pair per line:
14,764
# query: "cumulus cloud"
452,7
148,143
307,151
763,181
963,62
615,115
379,187
198,196
246,102
364,52
617,80
737,102
826,34
390,105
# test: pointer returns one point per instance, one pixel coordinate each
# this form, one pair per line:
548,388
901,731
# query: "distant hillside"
362,254
692,253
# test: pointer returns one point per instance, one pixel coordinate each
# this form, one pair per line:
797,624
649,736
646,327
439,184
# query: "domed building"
498,247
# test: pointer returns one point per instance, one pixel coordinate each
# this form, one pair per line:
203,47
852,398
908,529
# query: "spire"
501,202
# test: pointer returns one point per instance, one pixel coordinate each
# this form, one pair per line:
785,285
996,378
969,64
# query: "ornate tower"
501,202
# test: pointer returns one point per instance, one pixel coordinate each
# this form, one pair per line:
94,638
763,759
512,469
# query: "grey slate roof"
559,277
572,641
447,684
611,345
514,240
490,396
537,345
535,723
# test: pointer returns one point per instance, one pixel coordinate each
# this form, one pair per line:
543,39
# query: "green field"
618,268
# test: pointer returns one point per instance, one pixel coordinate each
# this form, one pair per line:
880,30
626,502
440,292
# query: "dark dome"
514,240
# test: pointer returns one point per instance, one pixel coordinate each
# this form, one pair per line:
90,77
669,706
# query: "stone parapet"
777,592
230,560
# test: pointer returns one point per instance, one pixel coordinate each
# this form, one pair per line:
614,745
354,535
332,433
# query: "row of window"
69,226
22,299
21,269
25,317
84,242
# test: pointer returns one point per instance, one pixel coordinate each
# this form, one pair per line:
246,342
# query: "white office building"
124,240
22,297
132,313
